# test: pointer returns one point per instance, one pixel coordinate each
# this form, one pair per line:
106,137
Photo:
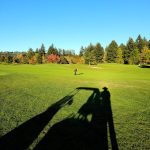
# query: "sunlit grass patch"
28,90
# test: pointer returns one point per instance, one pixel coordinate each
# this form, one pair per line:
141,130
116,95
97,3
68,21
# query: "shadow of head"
79,133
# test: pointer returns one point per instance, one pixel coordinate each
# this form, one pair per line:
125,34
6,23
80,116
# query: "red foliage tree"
53,58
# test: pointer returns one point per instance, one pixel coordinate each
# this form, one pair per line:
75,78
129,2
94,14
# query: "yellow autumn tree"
119,57
145,55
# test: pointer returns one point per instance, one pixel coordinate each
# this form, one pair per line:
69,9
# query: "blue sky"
70,24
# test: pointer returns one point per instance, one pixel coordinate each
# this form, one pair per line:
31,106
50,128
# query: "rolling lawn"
28,90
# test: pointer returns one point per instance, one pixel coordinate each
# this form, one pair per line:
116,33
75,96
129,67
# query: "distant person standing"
75,71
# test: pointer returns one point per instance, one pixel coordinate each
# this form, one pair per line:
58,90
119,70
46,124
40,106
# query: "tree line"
133,52
40,56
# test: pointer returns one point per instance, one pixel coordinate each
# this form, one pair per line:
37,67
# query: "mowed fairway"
28,90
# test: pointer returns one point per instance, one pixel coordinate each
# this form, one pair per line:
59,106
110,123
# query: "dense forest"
133,52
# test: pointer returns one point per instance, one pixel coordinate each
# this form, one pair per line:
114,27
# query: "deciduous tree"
119,57
145,55
53,58
134,57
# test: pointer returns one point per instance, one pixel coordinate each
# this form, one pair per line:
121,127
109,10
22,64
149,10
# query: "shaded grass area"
26,91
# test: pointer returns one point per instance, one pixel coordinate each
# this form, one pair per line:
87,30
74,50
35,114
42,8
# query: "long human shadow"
79,133
22,136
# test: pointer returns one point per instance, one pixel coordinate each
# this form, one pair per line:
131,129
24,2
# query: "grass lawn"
28,90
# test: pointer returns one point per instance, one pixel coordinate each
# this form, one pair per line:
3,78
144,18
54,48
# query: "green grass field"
28,90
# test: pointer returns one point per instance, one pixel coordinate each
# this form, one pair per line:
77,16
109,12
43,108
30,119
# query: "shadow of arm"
24,135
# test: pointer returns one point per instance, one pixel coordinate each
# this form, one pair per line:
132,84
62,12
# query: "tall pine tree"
52,50
89,55
112,52
139,43
129,48
99,53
